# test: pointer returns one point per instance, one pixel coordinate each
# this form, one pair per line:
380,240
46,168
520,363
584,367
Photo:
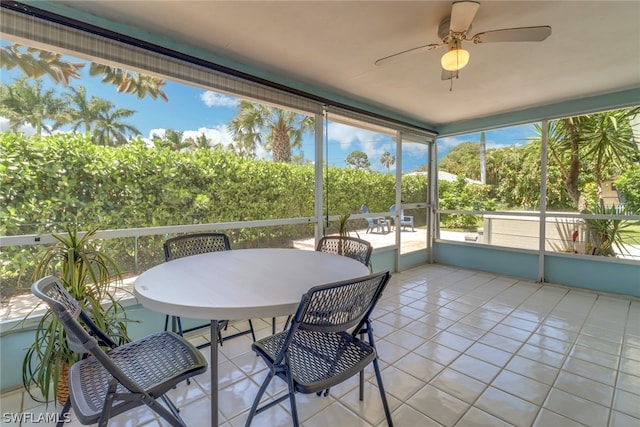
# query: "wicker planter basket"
62,388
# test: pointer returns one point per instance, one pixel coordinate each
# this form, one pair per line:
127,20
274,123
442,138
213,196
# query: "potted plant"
605,235
89,275
343,230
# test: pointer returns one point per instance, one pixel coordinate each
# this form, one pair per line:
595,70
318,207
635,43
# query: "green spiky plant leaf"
91,276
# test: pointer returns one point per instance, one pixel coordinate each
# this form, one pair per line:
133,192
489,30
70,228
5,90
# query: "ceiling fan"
454,30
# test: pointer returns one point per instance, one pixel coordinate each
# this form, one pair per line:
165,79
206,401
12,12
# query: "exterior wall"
523,232
610,194
581,271
510,262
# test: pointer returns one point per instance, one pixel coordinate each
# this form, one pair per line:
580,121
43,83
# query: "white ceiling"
330,47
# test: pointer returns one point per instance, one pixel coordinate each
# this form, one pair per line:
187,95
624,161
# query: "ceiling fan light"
454,60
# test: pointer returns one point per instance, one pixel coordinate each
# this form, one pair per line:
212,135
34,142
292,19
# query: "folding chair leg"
253,334
383,395
169,415
361,381
108,403
256,401
292,401
64,412
174,410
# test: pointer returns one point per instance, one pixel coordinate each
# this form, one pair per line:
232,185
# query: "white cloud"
213,99
218,135
445,144
347,135
375,152
159,132
373,144
25,128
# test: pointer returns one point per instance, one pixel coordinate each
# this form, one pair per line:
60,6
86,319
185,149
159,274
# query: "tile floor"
458,348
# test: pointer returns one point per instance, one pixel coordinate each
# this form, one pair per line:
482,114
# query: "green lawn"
631,234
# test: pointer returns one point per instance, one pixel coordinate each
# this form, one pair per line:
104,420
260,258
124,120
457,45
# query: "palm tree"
82,111
171,139
610,145
564,142
23,102
130,82
37,62
202,142
604,141
276,129
110,130
387,160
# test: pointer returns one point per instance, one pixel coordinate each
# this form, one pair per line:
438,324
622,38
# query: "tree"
628,185
23,102
512,174
81,111
130,82
171,139
37,62
358,160
387,160
462,160
518,176
110,130
202,142
610,145
600,144
278,130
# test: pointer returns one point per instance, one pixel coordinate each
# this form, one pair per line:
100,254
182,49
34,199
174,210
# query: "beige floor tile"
459,385
523,387
442,407
507,407
576,408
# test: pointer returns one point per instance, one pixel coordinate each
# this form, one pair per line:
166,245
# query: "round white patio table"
239,285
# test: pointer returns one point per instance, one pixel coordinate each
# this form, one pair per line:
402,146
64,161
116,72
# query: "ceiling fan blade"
523,34
391,58
448,75
462,13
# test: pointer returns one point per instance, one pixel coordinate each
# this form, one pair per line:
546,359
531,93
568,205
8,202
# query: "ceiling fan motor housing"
443,28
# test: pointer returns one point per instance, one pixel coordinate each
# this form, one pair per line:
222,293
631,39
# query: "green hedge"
52,180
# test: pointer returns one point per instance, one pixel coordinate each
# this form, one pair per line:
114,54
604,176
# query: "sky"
194,111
